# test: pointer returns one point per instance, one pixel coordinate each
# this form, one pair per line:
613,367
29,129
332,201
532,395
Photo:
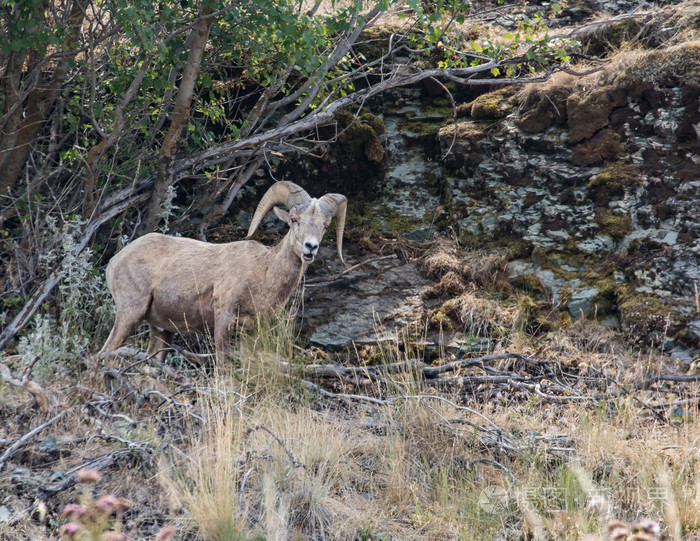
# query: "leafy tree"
107,105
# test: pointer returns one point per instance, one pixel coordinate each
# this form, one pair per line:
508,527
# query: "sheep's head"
308,218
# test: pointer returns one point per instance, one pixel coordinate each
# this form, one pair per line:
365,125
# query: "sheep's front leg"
226,324
222,332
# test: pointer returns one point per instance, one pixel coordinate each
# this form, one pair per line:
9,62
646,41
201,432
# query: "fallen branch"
351,373
432,372
24,440
131,391
320,390
493,437
100,464
541,379
364,374
666,377
32,387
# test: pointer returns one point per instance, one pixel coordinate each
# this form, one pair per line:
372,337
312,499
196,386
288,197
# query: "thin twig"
319,281
276,438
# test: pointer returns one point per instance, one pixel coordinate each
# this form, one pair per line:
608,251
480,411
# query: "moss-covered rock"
361,135
425,129
613,223
646,319
465,131
578,10
494,105
461,138
530,284
612,183
588,113
605,300
373,42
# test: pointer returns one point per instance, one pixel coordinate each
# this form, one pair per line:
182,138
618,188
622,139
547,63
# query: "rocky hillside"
587,187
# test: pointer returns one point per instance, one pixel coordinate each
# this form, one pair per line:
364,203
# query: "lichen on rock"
587,188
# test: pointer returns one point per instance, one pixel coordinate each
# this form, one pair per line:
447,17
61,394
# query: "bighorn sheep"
189,286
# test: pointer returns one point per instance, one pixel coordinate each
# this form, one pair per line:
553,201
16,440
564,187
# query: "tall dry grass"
275,461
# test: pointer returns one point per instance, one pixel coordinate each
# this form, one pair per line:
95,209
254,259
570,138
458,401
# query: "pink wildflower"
88,476
617,530
72,510
648,525
107,504
69,530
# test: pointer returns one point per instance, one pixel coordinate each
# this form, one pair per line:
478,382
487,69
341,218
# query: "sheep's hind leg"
128,315
220,341
159,343
123,325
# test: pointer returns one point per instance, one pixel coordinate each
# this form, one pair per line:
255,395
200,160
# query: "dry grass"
266,470
674,33
479,266
278,468
271,459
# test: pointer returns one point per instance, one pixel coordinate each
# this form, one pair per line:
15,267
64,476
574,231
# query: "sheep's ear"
283,215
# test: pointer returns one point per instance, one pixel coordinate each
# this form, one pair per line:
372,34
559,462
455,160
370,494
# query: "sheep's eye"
294,221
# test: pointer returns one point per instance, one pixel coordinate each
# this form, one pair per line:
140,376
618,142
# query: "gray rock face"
628,220
581,303
593,190
407,169
373,302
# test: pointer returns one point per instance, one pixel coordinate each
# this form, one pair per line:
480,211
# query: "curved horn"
335,206
282,192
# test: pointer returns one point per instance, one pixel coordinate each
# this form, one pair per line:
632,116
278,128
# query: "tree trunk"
27,121
179,122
